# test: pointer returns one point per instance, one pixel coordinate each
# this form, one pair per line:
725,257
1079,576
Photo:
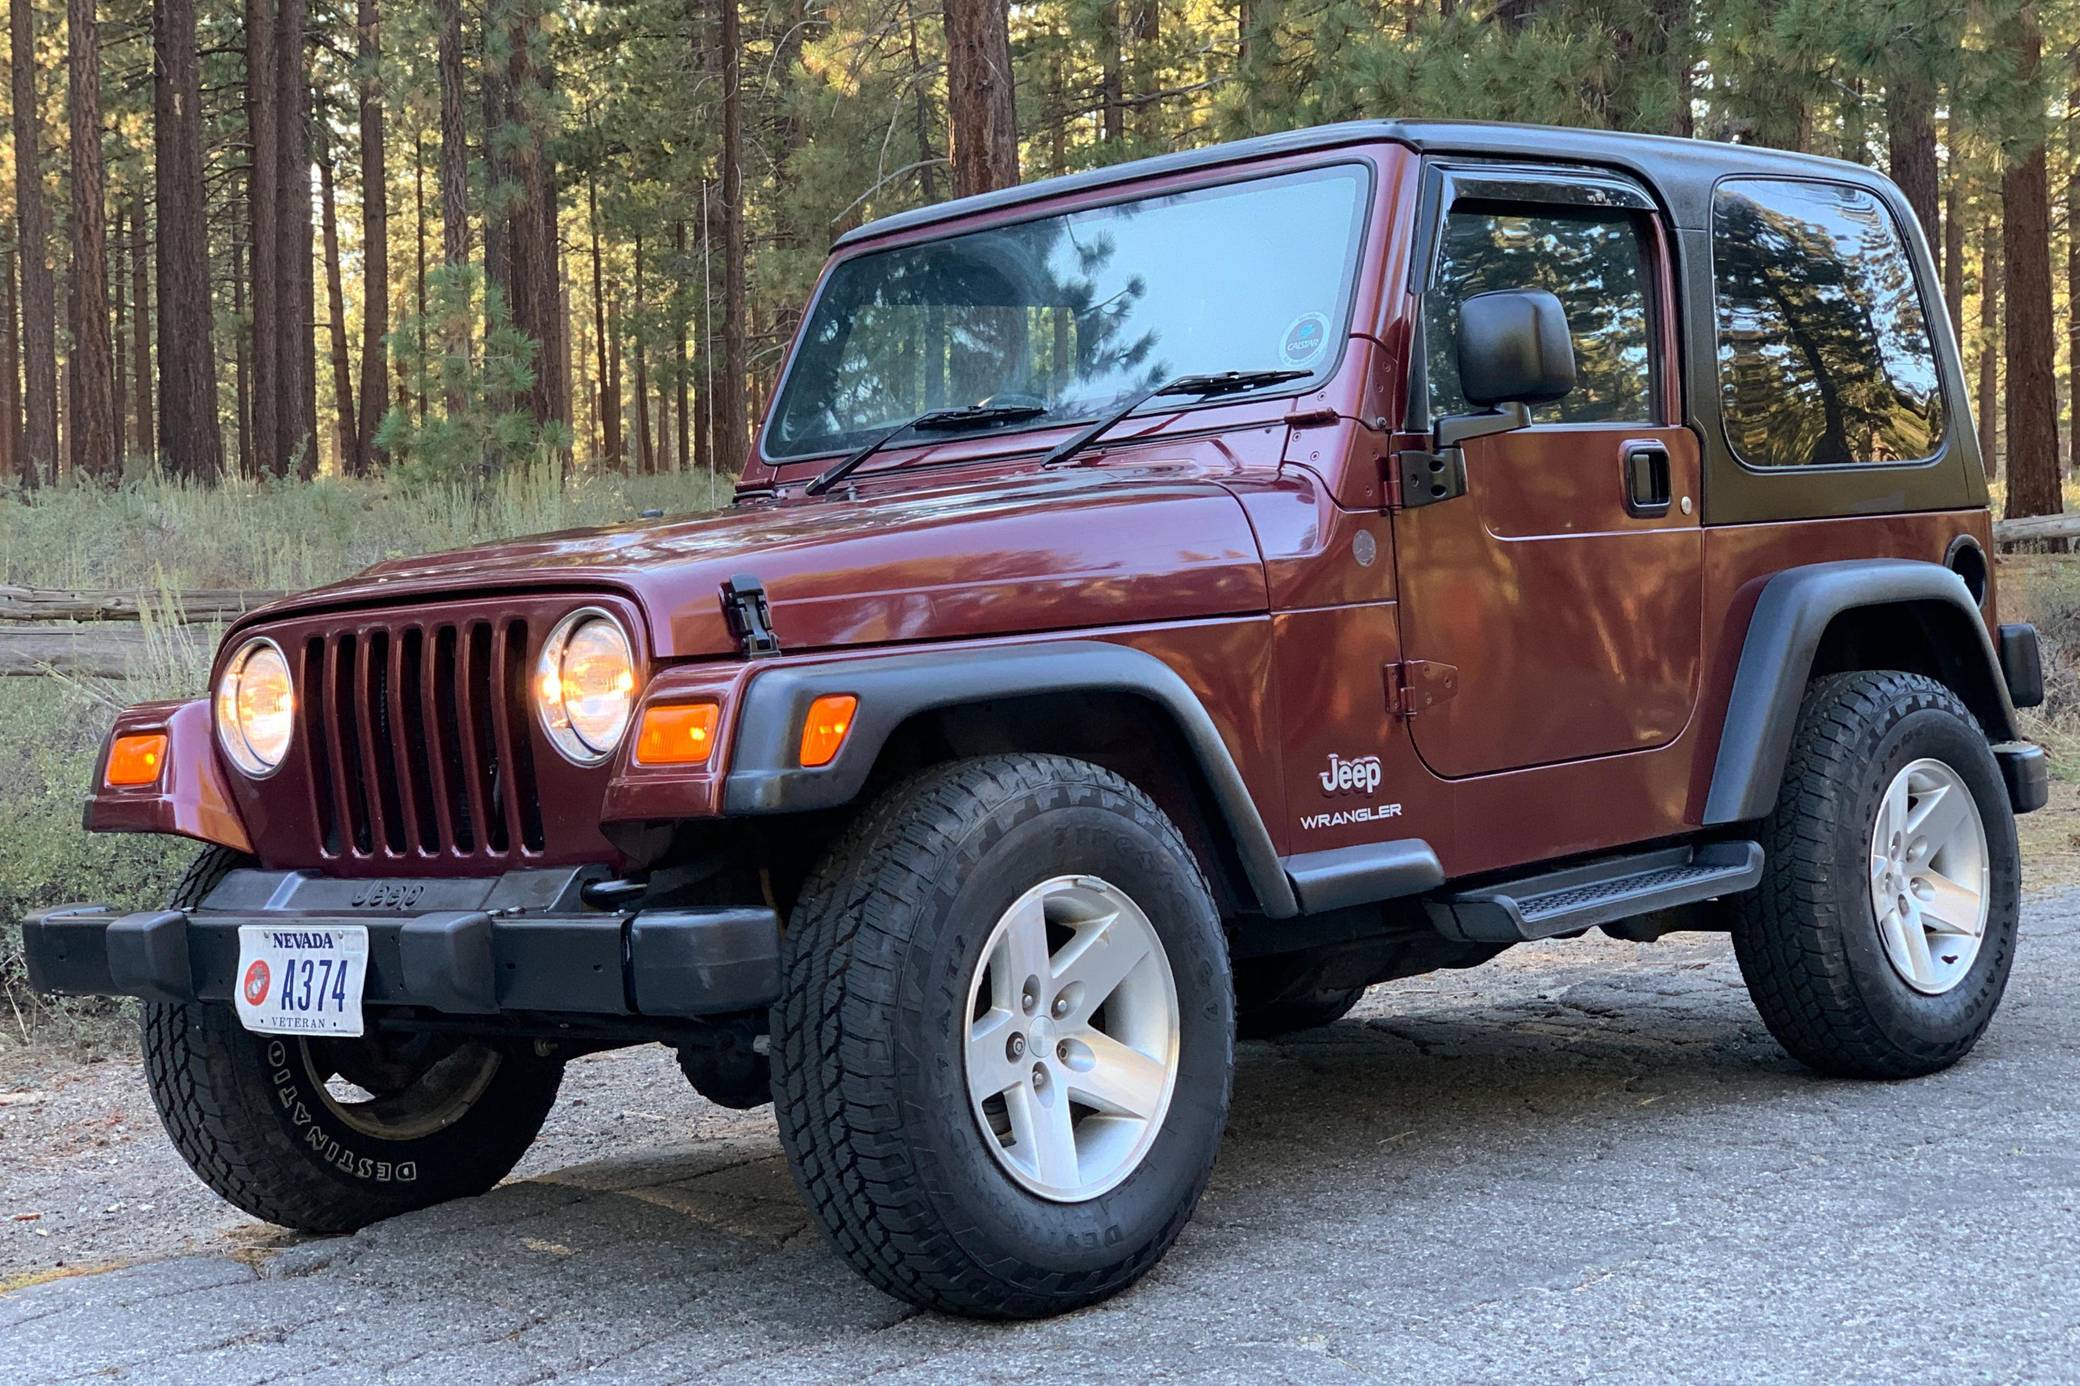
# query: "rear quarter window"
1825,357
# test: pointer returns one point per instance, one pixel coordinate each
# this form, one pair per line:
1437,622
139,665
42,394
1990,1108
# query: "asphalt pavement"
1584,1161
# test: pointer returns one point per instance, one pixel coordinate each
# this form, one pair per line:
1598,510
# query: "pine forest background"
442,238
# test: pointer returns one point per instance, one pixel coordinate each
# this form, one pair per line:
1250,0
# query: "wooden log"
81,651
2032,527
53,604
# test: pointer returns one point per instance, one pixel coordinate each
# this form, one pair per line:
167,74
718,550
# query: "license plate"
301,980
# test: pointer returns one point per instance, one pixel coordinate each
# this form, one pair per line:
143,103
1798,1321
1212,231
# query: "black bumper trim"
2027,771
665,963
2022,664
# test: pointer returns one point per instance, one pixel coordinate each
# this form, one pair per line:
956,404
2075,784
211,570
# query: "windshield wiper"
1199,386
931,421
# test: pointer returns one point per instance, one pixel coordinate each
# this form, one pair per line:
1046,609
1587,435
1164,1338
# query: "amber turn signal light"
677,734
136,760
830,717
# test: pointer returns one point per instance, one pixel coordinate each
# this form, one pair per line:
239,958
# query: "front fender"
191,797
766,776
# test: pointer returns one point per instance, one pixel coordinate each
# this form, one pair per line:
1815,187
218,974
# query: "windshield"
1075,312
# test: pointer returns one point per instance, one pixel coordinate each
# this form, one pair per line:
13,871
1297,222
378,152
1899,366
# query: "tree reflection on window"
1593,262
1075,311
1824,351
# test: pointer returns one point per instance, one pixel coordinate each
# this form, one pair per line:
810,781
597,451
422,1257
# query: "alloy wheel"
1072,1042
1929,876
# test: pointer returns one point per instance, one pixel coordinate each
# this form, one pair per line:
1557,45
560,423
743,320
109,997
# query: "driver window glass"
1595,263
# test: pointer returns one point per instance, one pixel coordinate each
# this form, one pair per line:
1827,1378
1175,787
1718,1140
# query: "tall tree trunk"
347,421
118,284
404,393
536,303
610,384
1910,141
375,235
730,431
38,459
680,377
1953,248
1673,18
242,356
2032,394
613,405
928,151
454,177
497,112
188,433
296,366
146,443
646,459
92,405
263,201
1990,344
982,103
1111,78
10,367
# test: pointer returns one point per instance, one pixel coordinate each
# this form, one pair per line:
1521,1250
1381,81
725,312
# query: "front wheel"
329,1135
1879,942
1003,1045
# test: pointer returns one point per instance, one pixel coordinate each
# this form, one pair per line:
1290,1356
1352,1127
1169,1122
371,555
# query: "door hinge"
750,617
1416,685
1419,477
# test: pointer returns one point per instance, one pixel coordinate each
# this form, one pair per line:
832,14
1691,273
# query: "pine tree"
91,406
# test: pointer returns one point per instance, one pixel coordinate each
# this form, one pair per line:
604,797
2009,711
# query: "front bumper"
523,943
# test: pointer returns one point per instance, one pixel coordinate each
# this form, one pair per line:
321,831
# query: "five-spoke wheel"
1072,1052
1929,868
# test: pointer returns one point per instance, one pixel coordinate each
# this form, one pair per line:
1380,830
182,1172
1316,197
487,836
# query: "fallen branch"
54,604
2034,527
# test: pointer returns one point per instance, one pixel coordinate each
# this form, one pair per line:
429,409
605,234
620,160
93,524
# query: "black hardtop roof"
1680,172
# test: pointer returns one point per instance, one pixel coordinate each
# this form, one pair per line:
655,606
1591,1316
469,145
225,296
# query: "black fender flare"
765,776
1792,613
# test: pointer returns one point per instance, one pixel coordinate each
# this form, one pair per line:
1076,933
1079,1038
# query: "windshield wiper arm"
931,421
1199,386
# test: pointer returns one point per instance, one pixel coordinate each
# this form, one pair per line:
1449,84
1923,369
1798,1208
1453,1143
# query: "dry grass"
2045,589
293,535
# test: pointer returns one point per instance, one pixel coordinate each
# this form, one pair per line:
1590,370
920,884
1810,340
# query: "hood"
1075,548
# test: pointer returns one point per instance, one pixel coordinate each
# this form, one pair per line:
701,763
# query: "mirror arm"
1455,429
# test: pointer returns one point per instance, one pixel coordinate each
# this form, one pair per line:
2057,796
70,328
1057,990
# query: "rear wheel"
1002,1049
328,1135
1879,942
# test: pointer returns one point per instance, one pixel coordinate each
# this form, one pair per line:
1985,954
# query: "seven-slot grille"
419,739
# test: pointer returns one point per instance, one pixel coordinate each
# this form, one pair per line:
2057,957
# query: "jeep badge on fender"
1022,732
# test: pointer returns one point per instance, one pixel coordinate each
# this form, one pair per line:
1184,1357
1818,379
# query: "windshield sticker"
1305,339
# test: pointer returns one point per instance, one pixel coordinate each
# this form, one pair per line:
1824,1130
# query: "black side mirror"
1514,348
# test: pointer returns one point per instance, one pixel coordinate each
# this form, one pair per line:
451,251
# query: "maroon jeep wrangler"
1162,603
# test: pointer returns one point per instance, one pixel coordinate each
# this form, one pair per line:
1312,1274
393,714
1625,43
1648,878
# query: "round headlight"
256,707
585,686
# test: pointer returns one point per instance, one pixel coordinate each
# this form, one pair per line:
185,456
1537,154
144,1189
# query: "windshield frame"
1033,436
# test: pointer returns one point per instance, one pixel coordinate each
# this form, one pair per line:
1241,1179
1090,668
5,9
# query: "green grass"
161,537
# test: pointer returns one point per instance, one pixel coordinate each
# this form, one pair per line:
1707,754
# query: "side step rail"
1600,892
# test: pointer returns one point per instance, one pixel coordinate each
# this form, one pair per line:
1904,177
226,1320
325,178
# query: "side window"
1824,350
1595,263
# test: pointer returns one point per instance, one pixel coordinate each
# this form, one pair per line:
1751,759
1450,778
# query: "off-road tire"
1807,937
869,1083
244,1112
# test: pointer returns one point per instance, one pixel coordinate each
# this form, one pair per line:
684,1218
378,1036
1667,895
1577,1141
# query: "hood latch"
750,617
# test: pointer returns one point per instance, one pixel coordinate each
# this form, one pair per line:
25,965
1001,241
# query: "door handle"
1647,490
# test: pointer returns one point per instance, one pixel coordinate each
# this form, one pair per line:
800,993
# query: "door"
1556,602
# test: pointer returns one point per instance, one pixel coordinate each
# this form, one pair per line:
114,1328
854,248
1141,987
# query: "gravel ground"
1584,1160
